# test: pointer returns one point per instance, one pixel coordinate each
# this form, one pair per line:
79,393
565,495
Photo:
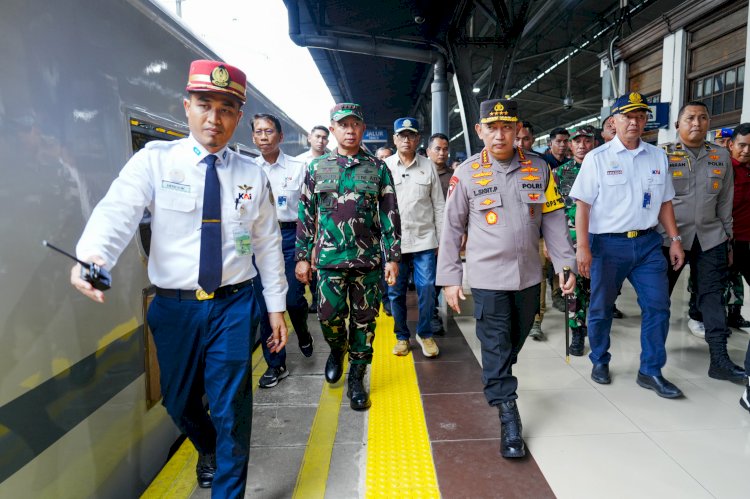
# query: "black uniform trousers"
504,319
708,271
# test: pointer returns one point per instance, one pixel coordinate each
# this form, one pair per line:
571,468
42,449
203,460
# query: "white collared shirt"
168,178
286,176
625,188
420,202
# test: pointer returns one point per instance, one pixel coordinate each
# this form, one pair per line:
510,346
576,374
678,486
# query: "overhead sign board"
375,135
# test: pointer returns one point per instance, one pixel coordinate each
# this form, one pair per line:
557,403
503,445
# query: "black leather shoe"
511,431
600,374
205,470
335,366
616,314
356,392
660,385
306,345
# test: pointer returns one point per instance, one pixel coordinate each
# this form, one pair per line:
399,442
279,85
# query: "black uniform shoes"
205,470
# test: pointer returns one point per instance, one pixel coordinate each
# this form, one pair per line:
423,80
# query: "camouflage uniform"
347,207
566,174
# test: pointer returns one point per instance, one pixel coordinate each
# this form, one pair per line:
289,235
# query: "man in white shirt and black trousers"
211,212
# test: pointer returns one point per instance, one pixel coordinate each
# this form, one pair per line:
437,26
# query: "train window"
143,132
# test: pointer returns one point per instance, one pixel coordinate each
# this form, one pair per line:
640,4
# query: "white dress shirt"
286,176
168,178
420,202
625,188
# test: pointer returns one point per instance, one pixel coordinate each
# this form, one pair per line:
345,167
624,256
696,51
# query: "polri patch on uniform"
174,186
452,185
491,217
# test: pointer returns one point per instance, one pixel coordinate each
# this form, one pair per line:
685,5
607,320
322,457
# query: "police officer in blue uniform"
622,192
211,212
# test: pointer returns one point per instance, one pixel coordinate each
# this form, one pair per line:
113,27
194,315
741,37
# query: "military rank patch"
714,157
528,169
491,217
488,201
716,171
675,158
452,185
483,182
530,178
475,165
482,174
533,196
677,173
715,185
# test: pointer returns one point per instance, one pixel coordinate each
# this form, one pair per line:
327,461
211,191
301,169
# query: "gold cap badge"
220,77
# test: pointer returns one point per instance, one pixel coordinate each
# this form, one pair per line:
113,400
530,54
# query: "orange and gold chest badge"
483,182
715,185
491,217
481,174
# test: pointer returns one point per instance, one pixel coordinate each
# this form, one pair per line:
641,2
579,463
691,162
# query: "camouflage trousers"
735,292
579,303
338,290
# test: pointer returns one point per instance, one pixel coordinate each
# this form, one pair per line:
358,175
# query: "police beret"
216,76
498,110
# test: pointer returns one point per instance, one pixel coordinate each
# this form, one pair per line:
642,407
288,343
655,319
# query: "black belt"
200,295
629,234
288,225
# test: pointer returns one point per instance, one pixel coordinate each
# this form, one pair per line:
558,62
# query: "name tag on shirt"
174,186
614,170
242,243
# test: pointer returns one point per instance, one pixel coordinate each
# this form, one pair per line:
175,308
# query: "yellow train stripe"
177,479
399,456
313,474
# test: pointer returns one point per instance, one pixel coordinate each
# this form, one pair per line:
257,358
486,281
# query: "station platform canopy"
546,54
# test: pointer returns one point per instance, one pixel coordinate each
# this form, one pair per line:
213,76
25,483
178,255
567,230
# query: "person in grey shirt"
703,181
505,199
420,203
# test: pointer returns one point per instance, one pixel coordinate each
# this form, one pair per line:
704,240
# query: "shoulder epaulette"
161,144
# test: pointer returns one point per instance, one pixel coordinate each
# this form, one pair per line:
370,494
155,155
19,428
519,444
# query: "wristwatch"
676,238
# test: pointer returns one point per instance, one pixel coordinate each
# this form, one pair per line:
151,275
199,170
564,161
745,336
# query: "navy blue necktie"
209,273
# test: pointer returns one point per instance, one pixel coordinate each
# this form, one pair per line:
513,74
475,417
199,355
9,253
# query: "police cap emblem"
220,77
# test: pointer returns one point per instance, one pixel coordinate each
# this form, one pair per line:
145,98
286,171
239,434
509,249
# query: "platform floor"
585,440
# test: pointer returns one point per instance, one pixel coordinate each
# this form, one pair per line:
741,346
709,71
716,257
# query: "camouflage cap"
582,131
344,109
498,110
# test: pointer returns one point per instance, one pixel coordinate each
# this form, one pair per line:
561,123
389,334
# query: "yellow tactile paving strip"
399,457
313,474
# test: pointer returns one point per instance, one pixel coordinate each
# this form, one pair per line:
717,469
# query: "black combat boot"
745,399
511,437
735,319
577,342
722,366
205,469
335,365
360,399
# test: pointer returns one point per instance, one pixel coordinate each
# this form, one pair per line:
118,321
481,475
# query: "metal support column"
440,98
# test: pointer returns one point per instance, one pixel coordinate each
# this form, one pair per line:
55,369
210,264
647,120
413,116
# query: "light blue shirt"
625,188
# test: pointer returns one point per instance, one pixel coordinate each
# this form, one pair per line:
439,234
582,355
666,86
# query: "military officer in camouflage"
347,208
506,200
581,142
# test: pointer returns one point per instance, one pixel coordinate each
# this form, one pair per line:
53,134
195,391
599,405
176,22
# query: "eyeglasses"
267,131
407,136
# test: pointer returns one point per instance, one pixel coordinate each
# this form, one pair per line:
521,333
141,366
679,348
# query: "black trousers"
709,272
504,319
